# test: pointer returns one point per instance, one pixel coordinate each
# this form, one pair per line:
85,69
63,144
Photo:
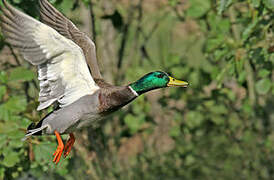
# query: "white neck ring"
133,91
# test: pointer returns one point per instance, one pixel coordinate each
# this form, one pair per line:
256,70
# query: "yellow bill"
175,82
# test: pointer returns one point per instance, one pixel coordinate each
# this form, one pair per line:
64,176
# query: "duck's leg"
69,144
58,153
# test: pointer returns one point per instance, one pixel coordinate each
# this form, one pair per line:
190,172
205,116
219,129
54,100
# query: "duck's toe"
57,154
60,148
69,145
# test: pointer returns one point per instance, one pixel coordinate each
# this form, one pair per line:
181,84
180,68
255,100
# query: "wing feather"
62,69
53,18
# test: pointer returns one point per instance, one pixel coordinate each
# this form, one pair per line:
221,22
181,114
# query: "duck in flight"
69,74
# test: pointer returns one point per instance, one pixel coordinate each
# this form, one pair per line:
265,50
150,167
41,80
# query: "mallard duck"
69,74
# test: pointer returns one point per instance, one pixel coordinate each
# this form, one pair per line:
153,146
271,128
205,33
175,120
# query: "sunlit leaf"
256,3
212,44
223,4
43,152
3,139
247,32
269,4
16,104
16,143
3,91
189,160
21,74
198,8
175,131
65,6
194,119
134,123
2,173
263,86
11,159
263,73
3,77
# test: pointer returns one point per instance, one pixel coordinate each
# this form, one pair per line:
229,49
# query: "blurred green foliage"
221,127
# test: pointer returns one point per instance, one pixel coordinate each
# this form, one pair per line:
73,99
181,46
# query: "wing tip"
44,105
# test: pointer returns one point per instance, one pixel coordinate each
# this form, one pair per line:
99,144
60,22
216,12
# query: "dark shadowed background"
220,127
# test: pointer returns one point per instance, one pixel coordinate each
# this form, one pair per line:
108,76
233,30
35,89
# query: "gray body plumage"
82,113
87,111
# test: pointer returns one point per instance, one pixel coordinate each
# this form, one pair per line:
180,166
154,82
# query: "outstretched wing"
62,69
53,18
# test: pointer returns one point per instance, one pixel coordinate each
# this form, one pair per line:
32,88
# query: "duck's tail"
36,132
35,129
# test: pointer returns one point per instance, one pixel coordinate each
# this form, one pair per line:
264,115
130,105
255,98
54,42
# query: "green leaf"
17,1
86,2
43,152
219,109
4,114
219,53
263,86
223,73
250,28
256,3
198,8
175,131
234,121
242,76
21,74
66,6
269,4
16,143
218,120
189,160
15,135
134,123
212,44
10,159
194,119
2,173
239,65
173,3
219,26
3,139
3,77
223,5
3,91
263,73
16,104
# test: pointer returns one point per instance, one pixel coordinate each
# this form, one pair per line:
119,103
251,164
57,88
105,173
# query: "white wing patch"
67,74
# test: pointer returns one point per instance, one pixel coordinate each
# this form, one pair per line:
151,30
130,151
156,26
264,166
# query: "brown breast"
112,98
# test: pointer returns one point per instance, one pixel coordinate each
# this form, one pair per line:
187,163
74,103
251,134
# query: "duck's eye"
160,76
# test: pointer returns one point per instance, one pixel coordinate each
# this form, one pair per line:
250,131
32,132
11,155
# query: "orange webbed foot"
69,145
58,153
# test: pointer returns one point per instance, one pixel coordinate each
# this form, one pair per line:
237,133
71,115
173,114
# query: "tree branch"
92,15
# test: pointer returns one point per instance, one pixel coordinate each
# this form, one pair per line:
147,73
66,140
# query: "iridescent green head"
155,80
